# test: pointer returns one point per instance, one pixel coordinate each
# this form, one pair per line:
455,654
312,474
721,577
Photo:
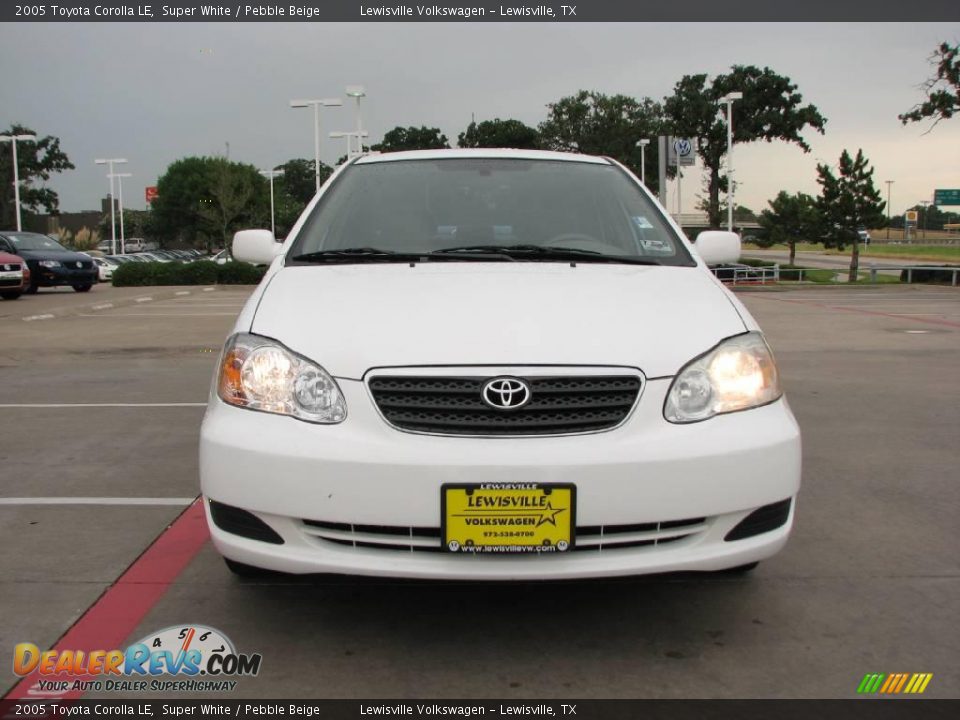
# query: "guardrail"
952,271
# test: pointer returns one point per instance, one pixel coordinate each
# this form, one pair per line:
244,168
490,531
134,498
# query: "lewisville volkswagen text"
494,364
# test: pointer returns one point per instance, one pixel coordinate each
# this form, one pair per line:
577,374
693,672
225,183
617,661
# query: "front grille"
11,282
10,267
596,538
558,405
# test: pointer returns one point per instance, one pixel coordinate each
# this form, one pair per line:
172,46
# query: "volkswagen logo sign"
506,393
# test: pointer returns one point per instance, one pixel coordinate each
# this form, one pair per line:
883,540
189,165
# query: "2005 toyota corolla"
494,365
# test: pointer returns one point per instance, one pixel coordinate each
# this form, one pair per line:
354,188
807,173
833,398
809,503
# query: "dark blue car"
50,263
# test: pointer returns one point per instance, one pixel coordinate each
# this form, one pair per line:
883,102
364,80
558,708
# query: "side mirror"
255,246
718,247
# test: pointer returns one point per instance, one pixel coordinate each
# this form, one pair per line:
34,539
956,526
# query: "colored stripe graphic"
894,683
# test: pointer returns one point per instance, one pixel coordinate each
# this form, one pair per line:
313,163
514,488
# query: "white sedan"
494,365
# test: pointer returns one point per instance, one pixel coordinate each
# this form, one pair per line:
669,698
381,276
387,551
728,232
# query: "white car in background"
105,268
494,365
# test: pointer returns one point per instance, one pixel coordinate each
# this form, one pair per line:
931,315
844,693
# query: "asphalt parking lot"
100,414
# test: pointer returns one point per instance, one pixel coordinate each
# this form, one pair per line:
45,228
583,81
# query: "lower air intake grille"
454,405
423,539
240,522
761,520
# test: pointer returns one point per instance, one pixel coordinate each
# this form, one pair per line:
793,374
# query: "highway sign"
946,197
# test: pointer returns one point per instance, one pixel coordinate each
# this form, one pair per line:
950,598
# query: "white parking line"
45,316
208,289
179,502
182,292
102,306
143,299
158,314
97,405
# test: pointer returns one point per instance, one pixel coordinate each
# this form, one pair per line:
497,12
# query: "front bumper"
53,277
363,472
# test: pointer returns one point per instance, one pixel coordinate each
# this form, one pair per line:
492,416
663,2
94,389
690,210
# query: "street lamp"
120,177
113,226
316,104
889,183
272,174
357,92
728,99
350,136
642,144
16,177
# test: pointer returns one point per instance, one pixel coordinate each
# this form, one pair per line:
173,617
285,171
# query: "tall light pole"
123,240
731,192
926,204
316,105
272,174
357,92
642,144
889,183
350,136
16,173
113,226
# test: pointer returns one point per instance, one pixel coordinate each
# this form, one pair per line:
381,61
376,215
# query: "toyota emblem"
506,393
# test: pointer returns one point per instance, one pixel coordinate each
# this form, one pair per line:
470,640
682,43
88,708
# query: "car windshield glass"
34,241
431,206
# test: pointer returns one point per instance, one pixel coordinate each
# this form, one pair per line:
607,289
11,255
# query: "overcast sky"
154,93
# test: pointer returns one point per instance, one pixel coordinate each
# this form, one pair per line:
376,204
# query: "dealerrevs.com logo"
201,658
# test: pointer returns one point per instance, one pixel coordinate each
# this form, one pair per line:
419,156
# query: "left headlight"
737,374
261,374
49,263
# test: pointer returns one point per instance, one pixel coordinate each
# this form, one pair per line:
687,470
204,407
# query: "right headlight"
258,373
737,374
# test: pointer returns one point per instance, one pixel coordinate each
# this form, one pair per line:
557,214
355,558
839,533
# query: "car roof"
473,153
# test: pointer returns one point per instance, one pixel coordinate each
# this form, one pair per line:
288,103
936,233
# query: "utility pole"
889,183
16,177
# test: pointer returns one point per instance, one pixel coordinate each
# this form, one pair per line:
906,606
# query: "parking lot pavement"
869,582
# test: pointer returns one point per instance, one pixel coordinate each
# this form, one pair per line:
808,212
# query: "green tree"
36,162
412,138
499,134
201,200
789,220
771,109
848,201
136,223
298,179
598,124
942,90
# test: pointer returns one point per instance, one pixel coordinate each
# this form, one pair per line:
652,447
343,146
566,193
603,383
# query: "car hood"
351,318
6,258
61,255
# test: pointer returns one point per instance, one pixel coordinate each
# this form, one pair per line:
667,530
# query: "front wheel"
13,295
82,288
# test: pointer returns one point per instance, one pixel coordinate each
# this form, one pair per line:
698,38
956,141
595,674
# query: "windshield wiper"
357,254
547,252
372,254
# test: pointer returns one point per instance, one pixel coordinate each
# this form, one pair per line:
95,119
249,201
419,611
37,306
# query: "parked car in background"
14,276
50,263
222,257
105,268
864,236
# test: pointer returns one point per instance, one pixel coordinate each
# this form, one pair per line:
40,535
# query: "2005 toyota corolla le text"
494,364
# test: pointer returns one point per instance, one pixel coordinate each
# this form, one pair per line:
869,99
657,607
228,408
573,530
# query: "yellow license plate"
504,518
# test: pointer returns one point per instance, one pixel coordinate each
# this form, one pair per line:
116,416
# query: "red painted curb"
109,621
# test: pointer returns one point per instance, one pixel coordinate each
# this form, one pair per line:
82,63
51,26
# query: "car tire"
82,288
11,295
32,290
247,571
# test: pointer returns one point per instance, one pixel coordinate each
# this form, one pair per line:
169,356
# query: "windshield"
428,206
34,241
